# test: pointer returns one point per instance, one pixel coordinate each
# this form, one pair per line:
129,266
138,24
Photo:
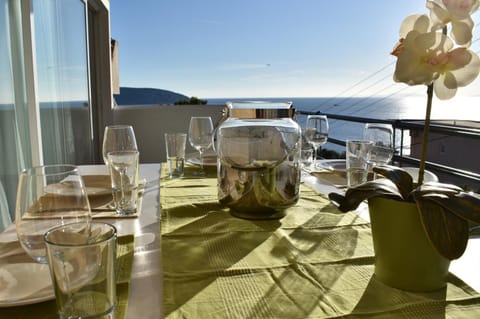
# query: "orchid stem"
426,129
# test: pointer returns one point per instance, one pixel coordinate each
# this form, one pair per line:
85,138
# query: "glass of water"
382,137
358,153
124,175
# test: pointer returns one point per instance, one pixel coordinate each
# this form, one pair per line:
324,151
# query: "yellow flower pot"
404,257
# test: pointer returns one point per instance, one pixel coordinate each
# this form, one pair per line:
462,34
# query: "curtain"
14,129
63,83
61,64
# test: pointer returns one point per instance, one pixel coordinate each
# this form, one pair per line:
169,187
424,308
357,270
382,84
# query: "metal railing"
402,127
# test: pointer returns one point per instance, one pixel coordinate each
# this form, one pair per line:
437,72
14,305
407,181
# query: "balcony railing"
403,157
150,122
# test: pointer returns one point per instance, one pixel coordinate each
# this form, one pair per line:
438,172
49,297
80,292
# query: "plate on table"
97,185
24,284
99,190
332,171
209,159
336,165
427,176
94,184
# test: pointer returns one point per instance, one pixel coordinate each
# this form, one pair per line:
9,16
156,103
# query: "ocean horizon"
383,108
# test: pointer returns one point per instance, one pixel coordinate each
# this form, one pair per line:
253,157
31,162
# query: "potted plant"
418,228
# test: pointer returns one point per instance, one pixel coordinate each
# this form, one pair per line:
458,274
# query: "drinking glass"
118,138
200,135
49,196
382,137
124,174
357,160
83,270
316,133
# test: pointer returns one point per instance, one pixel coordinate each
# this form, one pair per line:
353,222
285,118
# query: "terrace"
39,125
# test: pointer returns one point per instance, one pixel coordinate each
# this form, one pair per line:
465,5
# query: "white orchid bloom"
426,57
456,12
461,68
416,22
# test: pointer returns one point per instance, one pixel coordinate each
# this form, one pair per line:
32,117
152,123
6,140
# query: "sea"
383,108
376,107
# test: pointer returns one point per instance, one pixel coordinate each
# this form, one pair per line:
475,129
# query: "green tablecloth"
48,309
314,263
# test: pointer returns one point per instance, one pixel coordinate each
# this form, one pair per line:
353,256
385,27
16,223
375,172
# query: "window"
48,77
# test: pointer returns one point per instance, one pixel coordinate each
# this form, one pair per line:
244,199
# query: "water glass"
83,270
124,175
48,196
382,137
175,146
306,157
357,161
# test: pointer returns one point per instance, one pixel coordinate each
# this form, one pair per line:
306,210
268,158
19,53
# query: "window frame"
97,13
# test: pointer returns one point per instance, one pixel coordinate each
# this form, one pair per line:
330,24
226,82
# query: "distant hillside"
143,96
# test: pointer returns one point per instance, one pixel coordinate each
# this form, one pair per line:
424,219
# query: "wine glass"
49,196
382,137
316,133
200,133
118,138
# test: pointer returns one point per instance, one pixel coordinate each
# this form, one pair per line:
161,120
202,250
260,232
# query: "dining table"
184,255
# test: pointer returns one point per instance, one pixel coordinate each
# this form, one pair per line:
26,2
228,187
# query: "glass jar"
258,148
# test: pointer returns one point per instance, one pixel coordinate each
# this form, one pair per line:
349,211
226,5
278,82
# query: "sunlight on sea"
387,108
459,108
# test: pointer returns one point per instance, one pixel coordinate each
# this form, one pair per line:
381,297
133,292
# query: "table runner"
48,309
314,263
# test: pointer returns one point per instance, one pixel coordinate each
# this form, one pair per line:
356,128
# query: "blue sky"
260,48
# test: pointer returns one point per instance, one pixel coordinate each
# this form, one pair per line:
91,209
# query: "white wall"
151,122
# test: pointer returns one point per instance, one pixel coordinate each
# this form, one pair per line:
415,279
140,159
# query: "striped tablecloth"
314,263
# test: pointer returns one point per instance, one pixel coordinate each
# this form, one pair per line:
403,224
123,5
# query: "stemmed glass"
118,138
49,196
316,132
200,133
382,137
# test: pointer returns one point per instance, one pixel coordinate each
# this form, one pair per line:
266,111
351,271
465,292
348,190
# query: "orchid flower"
426,57
456,12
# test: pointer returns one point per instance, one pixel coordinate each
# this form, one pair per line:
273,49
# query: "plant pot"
404,257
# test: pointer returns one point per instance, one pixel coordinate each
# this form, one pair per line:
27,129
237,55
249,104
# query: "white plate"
97,185
209,159
427,176
333,165
24,284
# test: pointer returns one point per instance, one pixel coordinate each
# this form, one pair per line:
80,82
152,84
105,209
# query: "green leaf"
355,195
464,205
446,231
435,187
445,209
398,176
